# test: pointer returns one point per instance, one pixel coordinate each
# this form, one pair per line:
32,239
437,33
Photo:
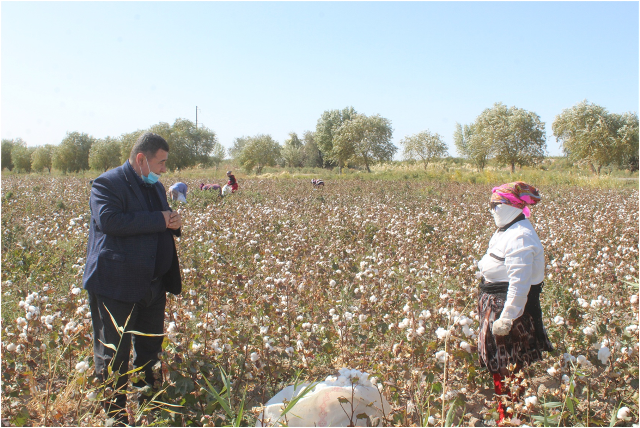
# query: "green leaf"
451,413
362,416
552,404
223,403
184,385
343,400
614,415
21,417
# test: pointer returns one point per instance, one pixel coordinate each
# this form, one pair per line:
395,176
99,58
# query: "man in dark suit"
131,263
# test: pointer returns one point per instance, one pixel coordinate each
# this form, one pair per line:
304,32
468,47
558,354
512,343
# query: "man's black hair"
149,144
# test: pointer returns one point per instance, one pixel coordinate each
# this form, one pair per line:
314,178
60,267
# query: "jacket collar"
134,181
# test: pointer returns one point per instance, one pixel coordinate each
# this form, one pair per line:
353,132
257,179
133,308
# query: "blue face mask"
152,178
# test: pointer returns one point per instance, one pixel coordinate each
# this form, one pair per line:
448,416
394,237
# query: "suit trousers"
144,316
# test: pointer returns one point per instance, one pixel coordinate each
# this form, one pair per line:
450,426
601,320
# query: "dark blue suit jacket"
123,239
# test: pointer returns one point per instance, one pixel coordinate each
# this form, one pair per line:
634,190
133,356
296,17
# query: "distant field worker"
511,272
232,182
178,192
215,187
316,182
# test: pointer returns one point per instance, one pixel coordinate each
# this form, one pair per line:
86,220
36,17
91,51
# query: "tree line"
507,136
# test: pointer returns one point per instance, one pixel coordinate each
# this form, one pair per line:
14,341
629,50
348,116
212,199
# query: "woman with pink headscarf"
511,335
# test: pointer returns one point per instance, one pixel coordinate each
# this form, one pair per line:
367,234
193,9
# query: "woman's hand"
501,327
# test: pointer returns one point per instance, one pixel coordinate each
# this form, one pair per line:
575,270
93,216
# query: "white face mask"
504,214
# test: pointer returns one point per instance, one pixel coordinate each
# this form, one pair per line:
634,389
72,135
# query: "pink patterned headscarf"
517,194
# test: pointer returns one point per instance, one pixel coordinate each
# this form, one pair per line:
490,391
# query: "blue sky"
107,68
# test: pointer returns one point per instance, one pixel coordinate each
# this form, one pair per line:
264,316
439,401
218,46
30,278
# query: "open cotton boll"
603,354
582,360
441,356
624,414
442,333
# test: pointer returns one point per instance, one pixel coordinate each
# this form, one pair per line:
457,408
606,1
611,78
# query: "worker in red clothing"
232,182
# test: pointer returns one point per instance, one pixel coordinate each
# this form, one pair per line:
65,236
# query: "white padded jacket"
515,256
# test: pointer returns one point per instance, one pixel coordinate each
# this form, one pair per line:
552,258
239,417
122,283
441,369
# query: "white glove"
501,327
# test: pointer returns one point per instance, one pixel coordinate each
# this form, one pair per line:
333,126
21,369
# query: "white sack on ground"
321,406
226,190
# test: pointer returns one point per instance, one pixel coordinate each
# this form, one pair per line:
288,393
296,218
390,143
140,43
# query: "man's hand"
175,221
167,217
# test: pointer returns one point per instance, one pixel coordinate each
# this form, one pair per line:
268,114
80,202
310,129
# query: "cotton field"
283,282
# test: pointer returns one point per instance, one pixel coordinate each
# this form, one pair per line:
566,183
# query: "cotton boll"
254,356
82,366
465,346
582,360
441,356
603,354
552,371
531,401
442,333
624,414
588,331
569,358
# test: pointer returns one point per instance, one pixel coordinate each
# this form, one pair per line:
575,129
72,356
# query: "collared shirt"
164,252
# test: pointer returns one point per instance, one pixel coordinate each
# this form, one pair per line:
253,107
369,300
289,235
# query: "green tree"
126,143
590,135
515,136
258,152
21,156
72,154
471,146
293,151
7,146
218,154
424,146
189,146
237,146
363,140
312,154
627,135
105,154
326,128
41,158
527,142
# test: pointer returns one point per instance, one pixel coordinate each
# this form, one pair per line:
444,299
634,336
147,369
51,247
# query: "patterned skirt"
527,339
